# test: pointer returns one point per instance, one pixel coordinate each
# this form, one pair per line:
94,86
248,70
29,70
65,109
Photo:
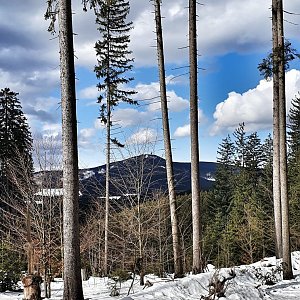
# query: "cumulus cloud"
84,137
29,55
26,40
51,130
185,130
147,111
143,136
130,117
151,93
254,107
229,23
98,124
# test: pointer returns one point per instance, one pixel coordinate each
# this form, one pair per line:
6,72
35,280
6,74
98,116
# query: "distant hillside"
146,173
143,174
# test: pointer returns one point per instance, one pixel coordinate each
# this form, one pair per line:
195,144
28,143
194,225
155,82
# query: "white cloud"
51,130
98,124
177,80
87,132
84,137
29,55
127,117
223,27
143,136
90,92
183,131
130,117
253,107
151,93
86,53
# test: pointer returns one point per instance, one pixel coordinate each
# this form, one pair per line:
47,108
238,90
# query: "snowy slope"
249,283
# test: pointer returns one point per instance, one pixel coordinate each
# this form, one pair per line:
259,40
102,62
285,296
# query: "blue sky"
233,37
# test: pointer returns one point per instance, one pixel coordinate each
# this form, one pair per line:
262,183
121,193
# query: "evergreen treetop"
15,136
112,54
294,129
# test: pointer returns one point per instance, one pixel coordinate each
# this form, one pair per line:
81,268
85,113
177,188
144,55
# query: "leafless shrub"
218,285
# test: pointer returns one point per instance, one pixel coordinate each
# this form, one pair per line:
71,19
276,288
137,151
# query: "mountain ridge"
151,170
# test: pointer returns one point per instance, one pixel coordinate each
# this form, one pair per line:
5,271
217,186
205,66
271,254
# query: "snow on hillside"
87,174
248,282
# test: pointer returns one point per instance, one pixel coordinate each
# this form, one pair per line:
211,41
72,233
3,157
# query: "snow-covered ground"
249,282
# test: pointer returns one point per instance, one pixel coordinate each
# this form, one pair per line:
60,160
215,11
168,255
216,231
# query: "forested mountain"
147,168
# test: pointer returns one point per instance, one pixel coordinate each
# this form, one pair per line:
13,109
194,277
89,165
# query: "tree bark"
107,180
29,240
72,274
32,289
276,138
196,215
178,268
286,248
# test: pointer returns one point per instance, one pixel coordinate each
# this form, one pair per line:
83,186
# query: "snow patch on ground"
249,283
88,174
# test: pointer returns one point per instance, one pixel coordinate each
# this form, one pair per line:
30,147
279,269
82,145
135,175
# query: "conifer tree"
15,157
294,166
239,222
265,183
224,174
113,62
254,158
294,131
219,204
240,145
15,136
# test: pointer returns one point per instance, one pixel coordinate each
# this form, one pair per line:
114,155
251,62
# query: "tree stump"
32,289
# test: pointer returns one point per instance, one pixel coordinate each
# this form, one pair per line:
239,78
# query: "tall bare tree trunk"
107,180
178,268
29,240
140,238
286,248
196,215
72,274
276,137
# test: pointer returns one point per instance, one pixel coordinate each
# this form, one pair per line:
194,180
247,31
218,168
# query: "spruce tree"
219,205
254,158
265,183
238,203
294,165
113,62
112,55
224,174
294,130
240,145
15,136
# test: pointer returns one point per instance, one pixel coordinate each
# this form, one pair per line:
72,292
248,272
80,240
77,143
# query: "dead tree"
177,252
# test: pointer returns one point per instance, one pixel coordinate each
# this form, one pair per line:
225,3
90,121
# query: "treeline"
237,214
239,222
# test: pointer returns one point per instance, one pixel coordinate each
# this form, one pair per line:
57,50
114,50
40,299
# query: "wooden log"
32,289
